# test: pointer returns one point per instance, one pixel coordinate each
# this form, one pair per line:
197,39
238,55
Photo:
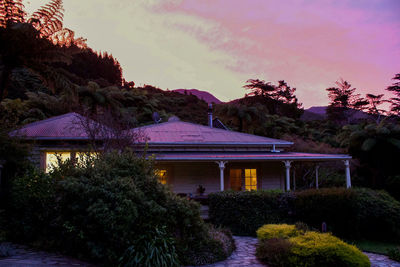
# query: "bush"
244,212
274,251
102,210
323,249
296,248
350,213
269,231
394,254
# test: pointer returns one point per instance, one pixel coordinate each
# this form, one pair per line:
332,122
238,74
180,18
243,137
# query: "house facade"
187,155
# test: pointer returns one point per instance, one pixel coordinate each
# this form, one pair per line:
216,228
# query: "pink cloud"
308,43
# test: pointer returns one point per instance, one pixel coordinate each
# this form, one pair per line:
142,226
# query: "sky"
216,45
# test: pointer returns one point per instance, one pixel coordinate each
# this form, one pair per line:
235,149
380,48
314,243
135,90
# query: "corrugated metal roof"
251,156
63,127
179,132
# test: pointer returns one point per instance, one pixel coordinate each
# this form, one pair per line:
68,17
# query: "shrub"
285,245
269,231
323,249
274,251
101,210
394,254
155,248
244,212
350,213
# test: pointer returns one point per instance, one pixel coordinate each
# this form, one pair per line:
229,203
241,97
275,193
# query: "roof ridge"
215,129
50,119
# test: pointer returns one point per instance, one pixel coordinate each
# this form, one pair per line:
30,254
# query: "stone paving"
243,256
21,256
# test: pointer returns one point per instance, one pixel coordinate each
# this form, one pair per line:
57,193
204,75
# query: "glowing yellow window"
250,179
162,176
52,159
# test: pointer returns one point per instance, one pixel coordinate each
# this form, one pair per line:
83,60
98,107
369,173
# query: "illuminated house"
188,155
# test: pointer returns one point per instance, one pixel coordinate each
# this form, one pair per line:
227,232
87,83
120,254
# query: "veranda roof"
248,156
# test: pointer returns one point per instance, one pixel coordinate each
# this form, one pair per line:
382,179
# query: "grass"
378,247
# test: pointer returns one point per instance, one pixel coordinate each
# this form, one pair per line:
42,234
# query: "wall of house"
185,177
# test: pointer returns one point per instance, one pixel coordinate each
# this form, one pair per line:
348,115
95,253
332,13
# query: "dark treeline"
46,71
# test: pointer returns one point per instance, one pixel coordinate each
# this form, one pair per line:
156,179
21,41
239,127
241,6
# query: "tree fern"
11,11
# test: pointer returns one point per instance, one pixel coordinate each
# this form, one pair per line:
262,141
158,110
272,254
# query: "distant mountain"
206,96
319,113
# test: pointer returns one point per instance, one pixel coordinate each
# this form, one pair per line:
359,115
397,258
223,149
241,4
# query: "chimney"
210,115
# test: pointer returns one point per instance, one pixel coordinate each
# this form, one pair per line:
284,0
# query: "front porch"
185,172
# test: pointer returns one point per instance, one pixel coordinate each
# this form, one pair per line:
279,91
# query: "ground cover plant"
112,210
305,248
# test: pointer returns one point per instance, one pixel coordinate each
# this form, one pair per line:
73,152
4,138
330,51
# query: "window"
250,179
162,176
53,157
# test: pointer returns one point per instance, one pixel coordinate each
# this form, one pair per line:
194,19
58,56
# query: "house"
187,155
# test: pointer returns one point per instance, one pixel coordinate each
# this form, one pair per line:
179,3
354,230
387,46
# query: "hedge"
349,213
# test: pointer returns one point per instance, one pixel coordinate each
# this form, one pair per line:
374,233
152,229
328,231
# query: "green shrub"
99,211
155,248
284,245
270,231
394,254
350,213
244,212
323,249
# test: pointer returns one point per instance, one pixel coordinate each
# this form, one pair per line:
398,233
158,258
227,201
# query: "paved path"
243,256
22,256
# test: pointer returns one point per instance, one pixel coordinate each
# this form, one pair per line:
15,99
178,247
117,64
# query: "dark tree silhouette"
344,102
395,101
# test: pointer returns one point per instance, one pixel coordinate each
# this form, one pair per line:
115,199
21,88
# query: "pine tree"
395,101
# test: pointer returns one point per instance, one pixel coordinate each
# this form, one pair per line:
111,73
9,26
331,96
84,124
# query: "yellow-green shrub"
269,231
324,249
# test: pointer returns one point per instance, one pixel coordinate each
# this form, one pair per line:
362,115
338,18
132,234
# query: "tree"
395,101
373,107
344,102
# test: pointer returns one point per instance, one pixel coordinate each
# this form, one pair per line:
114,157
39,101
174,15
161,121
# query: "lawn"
378,247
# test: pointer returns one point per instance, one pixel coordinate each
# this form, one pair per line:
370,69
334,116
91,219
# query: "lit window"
250,179
162,176
53,157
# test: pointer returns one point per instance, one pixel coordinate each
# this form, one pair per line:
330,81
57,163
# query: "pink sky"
216,45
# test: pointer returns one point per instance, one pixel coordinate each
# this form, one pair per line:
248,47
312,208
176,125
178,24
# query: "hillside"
204,95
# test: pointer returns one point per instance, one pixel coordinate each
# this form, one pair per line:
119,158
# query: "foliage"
394,254
274,251
244,212
351,213
296,248
344,102
117,195
324,249
269,231
376,146
155,248
395,101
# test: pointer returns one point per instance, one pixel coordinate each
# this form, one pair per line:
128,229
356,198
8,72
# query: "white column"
316,176
348,178
287,165
221,165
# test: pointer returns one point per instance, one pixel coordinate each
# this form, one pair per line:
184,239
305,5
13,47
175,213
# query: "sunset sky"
217,45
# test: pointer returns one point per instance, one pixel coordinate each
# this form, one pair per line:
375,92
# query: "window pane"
52,159
250,179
